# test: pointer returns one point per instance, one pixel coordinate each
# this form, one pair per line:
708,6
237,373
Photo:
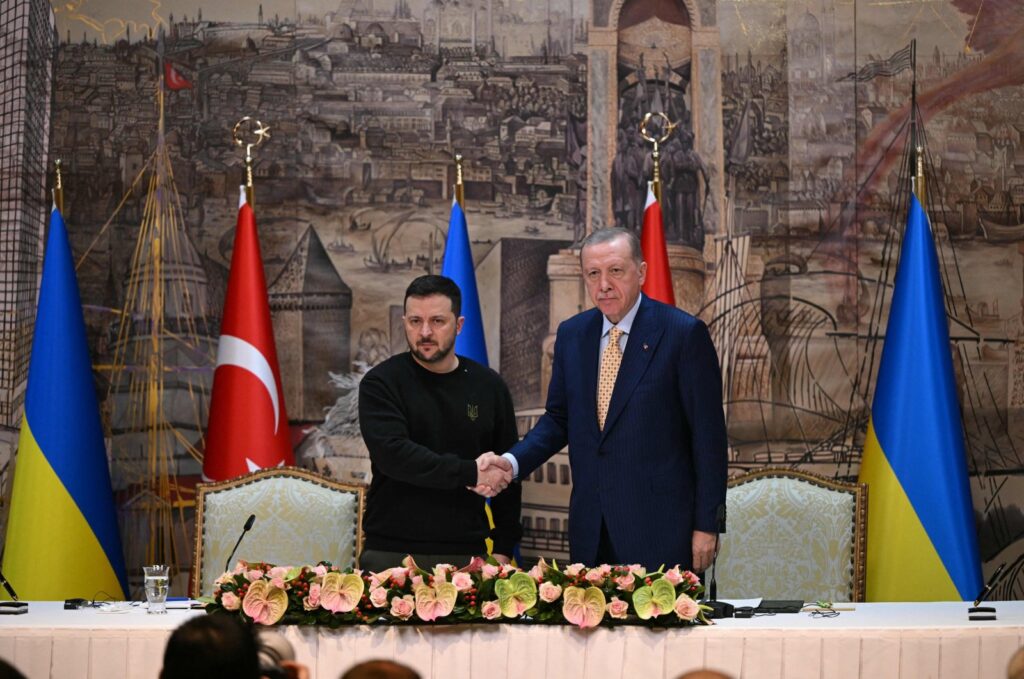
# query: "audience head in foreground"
1015,670
211,647
380,669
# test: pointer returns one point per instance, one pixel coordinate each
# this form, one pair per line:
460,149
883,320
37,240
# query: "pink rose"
403,607
462,581
686,608
320,570
537,573
673,576
638,570
240,568
254,575
278,572
491,610
398,576
379,597
574,569
416,580
508,569
277,582
549,592
312,600
692,577
626,582
230,601
595,577
605,569
618,608
490,571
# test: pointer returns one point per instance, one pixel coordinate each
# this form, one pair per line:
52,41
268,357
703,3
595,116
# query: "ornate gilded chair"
793,535
301,518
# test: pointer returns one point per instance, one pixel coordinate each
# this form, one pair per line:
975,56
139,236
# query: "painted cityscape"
784,182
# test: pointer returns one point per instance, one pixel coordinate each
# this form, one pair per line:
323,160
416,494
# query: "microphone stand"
245,529
719,609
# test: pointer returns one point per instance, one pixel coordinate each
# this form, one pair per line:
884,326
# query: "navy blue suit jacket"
657,471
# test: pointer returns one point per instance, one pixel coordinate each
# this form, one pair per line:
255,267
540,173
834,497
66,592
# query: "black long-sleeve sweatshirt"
424,431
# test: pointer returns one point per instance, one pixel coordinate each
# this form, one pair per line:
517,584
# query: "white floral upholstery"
301,518
793,535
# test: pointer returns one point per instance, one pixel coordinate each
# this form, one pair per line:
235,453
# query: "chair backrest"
301,518
793,535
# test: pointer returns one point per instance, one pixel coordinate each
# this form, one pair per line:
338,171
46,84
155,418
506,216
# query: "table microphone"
978,612
245,529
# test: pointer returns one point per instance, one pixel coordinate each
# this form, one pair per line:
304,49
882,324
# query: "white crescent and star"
241,354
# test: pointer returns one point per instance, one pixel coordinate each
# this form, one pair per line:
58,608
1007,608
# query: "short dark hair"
380,669
428,285
215,646
9,671
610,234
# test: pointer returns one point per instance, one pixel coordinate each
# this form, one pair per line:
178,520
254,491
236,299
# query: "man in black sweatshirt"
426,416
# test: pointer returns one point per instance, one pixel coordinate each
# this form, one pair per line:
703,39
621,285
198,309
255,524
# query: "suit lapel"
643,340
590,349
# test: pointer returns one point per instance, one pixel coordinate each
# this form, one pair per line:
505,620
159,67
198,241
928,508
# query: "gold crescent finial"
258,134
668,128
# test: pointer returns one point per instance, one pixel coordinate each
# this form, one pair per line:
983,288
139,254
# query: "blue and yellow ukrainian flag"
458,265
62,535
922,541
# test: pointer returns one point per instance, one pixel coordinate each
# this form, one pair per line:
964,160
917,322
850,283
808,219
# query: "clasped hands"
493,474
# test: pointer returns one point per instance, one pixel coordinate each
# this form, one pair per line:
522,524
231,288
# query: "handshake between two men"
493,474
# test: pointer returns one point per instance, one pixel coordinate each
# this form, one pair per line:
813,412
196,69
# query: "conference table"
880,640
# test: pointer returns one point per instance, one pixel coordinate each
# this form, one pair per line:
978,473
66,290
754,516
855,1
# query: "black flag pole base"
13,607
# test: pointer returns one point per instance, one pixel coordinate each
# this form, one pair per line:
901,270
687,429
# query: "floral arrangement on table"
482,591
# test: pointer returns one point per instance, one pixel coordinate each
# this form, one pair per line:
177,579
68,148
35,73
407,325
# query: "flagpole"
460,189
917,166
58,188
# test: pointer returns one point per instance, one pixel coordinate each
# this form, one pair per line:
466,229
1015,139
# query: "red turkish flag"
248,427
174,79
658,284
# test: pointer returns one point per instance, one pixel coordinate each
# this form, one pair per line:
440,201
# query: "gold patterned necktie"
611,359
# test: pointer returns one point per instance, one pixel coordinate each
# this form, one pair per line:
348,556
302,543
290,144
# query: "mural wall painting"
782,203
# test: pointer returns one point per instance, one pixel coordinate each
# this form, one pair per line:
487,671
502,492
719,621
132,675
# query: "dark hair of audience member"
380,669
213,646
1015,670
9,671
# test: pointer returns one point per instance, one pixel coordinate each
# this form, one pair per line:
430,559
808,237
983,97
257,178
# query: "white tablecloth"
903,641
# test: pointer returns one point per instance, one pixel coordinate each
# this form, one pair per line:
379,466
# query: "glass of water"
156,587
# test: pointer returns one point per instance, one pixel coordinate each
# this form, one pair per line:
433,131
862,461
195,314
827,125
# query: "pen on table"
987,589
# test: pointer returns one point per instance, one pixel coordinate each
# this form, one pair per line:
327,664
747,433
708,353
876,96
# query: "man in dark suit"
636,393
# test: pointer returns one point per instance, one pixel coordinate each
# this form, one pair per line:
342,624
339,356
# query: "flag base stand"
13,607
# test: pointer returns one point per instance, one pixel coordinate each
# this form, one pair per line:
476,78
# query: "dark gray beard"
441,354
